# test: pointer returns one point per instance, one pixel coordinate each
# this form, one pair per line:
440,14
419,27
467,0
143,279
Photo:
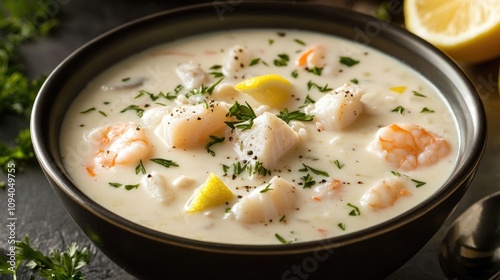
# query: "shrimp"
266,203
118,144
311,57
338,109
409,146
384,193
328,190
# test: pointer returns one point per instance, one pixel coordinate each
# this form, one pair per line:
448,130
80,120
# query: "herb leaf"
295,115
244,115
165,162
211,143
348,61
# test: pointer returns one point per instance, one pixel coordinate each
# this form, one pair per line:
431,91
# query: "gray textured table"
41,216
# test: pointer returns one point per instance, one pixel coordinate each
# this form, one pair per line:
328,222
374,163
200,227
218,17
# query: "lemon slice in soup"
212,192
271,89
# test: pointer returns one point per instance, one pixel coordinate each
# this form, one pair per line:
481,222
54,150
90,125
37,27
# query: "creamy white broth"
375,73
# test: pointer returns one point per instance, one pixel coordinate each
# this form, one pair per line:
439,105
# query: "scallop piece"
266,203
154,184
338,109
191,75
188,126
267,141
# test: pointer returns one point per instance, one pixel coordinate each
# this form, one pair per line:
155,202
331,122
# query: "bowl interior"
68,79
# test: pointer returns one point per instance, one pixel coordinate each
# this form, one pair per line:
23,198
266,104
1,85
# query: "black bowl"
367,254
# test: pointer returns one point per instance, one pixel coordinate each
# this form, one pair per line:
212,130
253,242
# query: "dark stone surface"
41,216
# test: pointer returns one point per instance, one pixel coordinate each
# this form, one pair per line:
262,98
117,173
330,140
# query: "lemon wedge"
467,30
271,89
211,193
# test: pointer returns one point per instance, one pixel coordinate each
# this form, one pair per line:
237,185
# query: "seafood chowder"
259,137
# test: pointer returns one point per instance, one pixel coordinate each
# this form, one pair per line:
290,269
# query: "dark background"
41,216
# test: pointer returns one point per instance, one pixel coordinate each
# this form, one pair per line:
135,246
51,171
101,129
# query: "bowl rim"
48,161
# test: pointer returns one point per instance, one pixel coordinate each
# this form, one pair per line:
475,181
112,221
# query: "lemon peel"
271,89
468,31
212,192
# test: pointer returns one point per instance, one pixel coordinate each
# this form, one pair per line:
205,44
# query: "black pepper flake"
149,175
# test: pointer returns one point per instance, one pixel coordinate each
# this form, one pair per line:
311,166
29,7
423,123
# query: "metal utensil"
471,247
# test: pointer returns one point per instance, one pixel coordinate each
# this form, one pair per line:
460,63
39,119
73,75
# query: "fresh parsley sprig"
57,265
244,116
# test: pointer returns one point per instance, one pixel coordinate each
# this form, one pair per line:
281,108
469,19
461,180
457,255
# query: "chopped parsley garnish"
266,188
348,61
281,239
282,60
214,72
315,70
341,226
295,73
313,170
259,169
244,116
54,266
308,101
204,89
225,168
416,93
308,179
165,162
300,42
88,110
338,164
418,183
139,111
355,210
214,141
426,110
295,115
355,81
254,61
324,88
140,168
399,110
127,187
283,219
126,79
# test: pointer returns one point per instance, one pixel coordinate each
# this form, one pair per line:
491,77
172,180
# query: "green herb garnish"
244,115
295,115
56,265
214,141
140,168
355,210
139,111
281,239
399,110
165,162
282,60
348,61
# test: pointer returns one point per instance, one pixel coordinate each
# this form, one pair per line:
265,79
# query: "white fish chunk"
191,75
188,126
268,140
154,184
236,61
266,203
339,108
